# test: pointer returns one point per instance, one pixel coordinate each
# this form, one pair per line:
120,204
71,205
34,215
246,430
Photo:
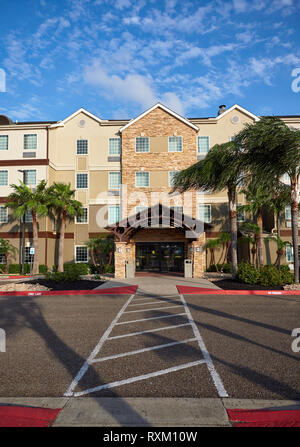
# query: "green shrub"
108,268
43,268
227,268
2,268
71,275
286,276
247,273
17,268
268,275
81,268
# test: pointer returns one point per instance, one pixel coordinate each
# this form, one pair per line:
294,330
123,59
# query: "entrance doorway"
160,257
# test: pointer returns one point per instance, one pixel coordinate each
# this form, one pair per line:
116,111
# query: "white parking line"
152,302
150,330
152,318
157,308
138,351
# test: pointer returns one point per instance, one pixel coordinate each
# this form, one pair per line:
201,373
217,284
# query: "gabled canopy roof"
152,217
81,110
241,109
166,109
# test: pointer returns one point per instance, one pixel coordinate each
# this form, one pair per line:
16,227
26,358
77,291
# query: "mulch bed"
231,284
82,284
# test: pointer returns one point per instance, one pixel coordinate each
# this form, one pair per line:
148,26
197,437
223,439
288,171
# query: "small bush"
2,268
268,275
108,269
227,268
17,268
247,273
43,268
81,268
71,275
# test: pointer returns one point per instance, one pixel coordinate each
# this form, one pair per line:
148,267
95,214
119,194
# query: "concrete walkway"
158,285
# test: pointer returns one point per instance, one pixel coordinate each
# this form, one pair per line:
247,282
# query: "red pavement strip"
186,290
14,416
264,418
127,290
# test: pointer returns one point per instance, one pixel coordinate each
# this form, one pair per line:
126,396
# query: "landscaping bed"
232,284
81,284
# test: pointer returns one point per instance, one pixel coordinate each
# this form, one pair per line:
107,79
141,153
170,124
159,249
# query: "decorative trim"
21,162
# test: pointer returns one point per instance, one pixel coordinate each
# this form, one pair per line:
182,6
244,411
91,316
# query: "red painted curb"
187,290
14,416
127,290
15,277
265,418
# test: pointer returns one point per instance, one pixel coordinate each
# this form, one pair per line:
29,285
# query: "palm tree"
25,199
224,239
7,249
280,248
211,245
66,208
250,232
280,198
272,149
101,250
222,168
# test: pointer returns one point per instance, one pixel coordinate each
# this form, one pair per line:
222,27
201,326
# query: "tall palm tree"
101,250
224,239
211,245
279,200
250,232
23,199
281,245
272,149
7,249
222,168
66,208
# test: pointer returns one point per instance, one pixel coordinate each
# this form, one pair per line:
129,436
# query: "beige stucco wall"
16,142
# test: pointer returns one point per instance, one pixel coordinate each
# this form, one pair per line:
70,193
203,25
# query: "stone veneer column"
198,256
123,252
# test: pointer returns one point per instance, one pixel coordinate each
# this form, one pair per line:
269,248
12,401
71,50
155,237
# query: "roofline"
166,109
81,110
241,109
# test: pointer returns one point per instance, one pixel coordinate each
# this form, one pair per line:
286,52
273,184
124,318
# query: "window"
82,147
140,208
28,216
142,144
240,215
175,144
81,181
289,253
3,214
171,176
2,258
113,214
3,142
142,179
287,213
114,180
81,253
30,142
114,146
83,218
3,178
204,212
30,177
286,179
203,145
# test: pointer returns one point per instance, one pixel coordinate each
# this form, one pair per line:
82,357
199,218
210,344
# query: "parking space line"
152,318
152,302
139,351
146,332
215,376
137,378
157,308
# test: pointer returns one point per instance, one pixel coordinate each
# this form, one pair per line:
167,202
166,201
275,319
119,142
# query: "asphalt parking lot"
150,346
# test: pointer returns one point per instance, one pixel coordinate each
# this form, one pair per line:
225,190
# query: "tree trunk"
233,229
6,263
278,224
294,218
61,242
260,246
35,267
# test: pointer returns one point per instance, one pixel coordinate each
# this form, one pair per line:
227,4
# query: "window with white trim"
82,147
2,258
289,253
3,142
81,253
28,216
203,145
30,177
81,181
142,144
175,144
3,178
171,177
114,147
83,218
114,180
113,214
240,215
142,179
204,212
287,213
30,141
3,214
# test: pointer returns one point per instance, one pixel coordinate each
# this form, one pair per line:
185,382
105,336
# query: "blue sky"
117,58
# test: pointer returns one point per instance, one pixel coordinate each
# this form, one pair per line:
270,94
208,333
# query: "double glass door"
159,257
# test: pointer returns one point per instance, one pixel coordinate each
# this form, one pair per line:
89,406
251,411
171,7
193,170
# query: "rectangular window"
203,145
83,218
113,214
289,253
81,181
114,180
3,214
30,177
3,142
175,144
142,179
114,146
81,253
82,147
3,178
287,213
142,144
28,216
171,176
204,212
140,208
30,142
240,216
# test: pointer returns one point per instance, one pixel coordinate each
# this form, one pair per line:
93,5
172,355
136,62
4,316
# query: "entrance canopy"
158,216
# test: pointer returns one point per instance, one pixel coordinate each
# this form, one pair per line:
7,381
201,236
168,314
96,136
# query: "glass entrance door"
162,257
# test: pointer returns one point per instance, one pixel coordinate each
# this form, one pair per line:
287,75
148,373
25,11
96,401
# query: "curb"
127,290
187,290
